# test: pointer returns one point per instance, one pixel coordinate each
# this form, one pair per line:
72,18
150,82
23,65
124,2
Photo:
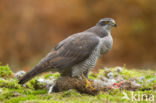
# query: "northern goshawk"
77,55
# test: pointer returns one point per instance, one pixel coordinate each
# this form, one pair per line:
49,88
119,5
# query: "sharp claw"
88,83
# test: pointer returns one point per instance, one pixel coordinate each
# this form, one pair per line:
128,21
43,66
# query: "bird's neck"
100,31
107,28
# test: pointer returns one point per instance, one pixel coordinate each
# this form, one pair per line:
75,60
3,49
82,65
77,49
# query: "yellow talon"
88,83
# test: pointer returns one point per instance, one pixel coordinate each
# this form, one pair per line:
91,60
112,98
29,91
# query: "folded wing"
67,53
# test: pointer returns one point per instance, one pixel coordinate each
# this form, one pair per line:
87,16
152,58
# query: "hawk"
76,55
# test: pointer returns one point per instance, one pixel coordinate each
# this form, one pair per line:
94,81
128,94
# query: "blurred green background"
29,29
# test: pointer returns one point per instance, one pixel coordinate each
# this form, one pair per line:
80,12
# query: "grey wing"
69,52
72,51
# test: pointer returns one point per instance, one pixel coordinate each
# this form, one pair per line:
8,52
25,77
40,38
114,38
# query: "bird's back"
65,55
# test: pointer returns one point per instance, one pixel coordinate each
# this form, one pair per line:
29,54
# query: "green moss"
40,96
70,93
5,71
9,83
93,76
9,87
130,74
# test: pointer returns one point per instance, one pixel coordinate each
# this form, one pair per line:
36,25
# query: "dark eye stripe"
102,23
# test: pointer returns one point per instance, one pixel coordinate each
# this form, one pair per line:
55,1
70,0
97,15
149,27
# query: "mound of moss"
5,71
12,92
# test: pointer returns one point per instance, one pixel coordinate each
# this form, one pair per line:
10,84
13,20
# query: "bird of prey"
76,55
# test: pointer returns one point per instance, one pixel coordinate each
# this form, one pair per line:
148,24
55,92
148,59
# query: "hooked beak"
114,24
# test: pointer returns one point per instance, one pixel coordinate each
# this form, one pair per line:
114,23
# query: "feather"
67,53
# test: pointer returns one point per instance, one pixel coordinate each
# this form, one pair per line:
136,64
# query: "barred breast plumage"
103,47
86,65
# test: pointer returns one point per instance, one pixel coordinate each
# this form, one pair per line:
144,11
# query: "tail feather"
43,66
28,76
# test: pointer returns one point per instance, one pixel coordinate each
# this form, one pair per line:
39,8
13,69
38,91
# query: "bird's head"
107,23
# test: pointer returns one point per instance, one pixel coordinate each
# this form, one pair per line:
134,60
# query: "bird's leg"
80,77
88,83
86,74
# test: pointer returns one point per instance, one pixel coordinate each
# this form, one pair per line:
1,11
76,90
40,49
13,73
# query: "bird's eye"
102,23
106,22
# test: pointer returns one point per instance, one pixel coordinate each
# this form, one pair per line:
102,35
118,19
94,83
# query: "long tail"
35,71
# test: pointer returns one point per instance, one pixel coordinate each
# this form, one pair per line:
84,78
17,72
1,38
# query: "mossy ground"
12,92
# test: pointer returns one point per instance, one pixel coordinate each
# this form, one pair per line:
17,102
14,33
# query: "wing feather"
73,50
67,53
